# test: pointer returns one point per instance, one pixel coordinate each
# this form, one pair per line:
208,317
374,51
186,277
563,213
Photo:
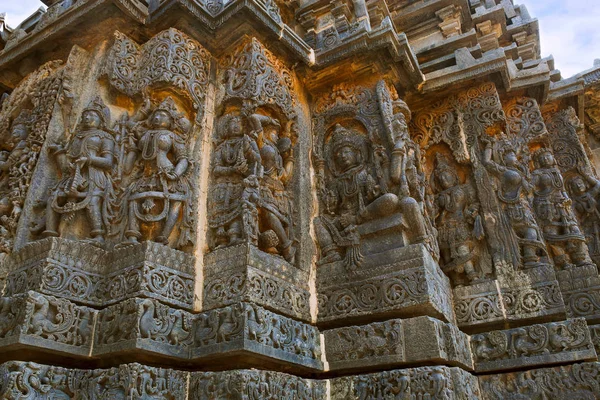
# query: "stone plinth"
414,383
88,275
580,288
397,342
245,273
249,333
531,346
409,283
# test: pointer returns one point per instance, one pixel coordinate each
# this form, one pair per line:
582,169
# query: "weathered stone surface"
244,273
397,342
411,284
534,345
424,382
47,324
577,381
89,275
148,327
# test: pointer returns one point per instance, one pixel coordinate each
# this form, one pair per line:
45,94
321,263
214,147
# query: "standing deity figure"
351,197
553,209
236,168
585,193
524,236
275,204
158,148
460,228
86,165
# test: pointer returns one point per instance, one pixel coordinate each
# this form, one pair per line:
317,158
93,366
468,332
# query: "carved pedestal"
408,283
86,274
397,342
244,273
529,296
580,287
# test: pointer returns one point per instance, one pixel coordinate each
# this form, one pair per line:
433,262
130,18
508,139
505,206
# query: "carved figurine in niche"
160,190
86,164
236,166
351,197
553,209
460,228
585,193
516,219
275,204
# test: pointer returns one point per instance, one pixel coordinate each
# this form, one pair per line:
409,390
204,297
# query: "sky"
568,28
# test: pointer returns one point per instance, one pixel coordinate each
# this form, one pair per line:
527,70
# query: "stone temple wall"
268,199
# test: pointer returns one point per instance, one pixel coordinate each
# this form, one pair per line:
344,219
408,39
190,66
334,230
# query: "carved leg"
52,221
414,219
464,251
530,252
381,207
285,247
329,250
172,218
235,232
579,253
133,225
94,212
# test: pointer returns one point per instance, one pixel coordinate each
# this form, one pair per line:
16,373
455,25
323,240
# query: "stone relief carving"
252,163
459,224
86,184
553,209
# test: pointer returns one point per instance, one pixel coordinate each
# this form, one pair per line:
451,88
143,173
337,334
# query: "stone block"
533,297
409,283
535,345
254,384
580,288
245,273
146,327
415,383
86,274
19,380
45,324
577,381
397,342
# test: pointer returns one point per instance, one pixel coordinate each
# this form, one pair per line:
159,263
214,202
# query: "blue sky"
569,29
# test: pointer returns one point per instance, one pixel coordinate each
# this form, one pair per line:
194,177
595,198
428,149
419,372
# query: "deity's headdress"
98,106
342,137
180,122
540,153
400,106
443,165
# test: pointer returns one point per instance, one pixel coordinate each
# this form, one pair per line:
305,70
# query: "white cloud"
569,31
568,28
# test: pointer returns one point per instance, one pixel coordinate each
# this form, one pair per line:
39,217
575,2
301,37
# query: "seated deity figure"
236,167
351,197
517,221
553,209
460,228
162,179
585,193
86,164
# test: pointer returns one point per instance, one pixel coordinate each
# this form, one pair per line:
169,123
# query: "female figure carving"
161,178
524,235
86,165
585,193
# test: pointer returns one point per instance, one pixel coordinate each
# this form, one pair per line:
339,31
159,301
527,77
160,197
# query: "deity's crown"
343,137
442,164
401,106
540,152
98,106
24,118
181,122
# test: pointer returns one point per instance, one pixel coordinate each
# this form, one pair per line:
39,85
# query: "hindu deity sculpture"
236,167
517,221
158,199
275,204
553,209
460,229
86,164
352,196
585,194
